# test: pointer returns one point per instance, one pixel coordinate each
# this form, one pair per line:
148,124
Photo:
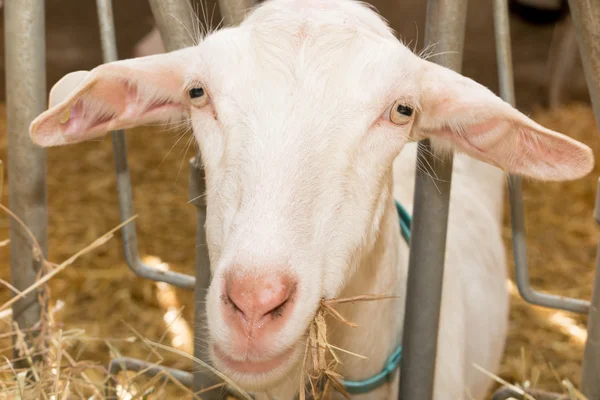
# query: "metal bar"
234,11
590,385
202,377
132,364
108,37
517,220
561,61
25,50
445,25
109,50
517,212
586,18
175,24
129,230
504,51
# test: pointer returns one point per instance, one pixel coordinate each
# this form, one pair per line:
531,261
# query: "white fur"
302,168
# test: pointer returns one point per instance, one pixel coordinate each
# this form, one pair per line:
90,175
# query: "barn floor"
102,297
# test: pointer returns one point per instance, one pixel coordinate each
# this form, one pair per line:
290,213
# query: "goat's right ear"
84,105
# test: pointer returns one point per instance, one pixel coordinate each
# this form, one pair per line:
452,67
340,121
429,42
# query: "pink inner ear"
112,105
80,122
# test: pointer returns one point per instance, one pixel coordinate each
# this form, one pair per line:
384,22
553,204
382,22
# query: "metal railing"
586,18
26,82
24,36
445,25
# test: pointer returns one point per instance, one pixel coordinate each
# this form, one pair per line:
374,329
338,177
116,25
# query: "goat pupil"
405,110
196,92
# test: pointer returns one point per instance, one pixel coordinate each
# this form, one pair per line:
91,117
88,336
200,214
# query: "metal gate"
26,91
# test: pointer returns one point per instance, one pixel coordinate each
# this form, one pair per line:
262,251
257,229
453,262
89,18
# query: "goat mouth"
253,367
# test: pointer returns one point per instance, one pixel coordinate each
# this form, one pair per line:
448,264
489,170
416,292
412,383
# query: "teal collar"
393,362
405,220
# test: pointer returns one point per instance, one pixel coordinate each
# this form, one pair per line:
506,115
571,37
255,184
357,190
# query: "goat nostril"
277,311
229,301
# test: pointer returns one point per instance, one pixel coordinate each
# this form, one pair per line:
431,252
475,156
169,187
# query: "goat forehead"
303,16
292,40
310,36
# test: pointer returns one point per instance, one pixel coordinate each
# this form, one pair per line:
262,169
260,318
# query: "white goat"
299,114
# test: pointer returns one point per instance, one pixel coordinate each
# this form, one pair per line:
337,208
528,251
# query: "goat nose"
254,298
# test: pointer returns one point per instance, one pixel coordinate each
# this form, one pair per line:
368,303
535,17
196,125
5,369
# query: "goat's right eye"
400,113
198,96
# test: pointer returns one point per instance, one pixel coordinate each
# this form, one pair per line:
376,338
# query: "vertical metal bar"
234,11
202,378
445,25
517,220
504,51
561,61
129,233
174,19
590,380
586,18
517,211
108,37
109,51
25,52
175,22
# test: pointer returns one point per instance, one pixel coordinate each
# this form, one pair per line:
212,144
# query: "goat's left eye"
198,96
401,114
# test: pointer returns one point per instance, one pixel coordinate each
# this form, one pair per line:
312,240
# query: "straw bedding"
103,298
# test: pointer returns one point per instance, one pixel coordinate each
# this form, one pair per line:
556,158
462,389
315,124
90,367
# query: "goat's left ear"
459,113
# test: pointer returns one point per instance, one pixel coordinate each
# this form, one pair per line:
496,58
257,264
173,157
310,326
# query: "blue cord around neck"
393,362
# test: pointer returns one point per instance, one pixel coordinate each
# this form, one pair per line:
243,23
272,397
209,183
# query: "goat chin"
262,375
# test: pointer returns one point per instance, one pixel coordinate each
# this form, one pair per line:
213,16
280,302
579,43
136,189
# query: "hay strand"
92,246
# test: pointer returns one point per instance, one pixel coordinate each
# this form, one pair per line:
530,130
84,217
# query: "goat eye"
400,113
198,96
196,92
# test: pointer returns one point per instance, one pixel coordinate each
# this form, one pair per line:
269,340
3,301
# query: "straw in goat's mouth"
320,359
